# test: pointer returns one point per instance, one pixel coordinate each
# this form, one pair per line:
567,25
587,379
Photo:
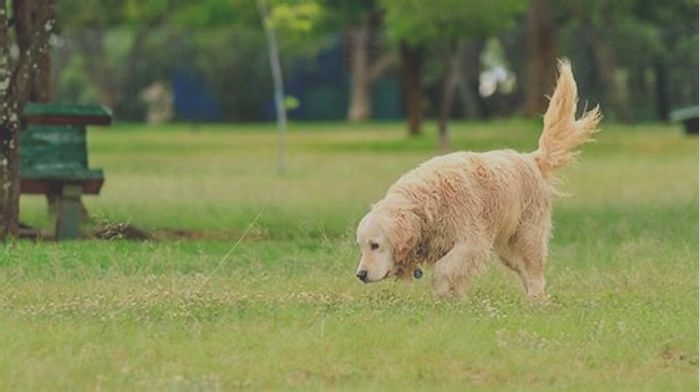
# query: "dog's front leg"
453,271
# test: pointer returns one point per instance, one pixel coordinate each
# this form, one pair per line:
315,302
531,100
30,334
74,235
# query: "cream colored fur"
455,210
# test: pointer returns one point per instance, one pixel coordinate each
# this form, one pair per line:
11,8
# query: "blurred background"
207,61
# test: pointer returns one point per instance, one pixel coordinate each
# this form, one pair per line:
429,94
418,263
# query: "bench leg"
69,212
53,200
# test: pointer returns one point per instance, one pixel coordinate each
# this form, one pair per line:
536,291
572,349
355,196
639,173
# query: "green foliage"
208,14
671,12
219,52
299,18
298,25
644,36
423,22
78,14
291,103
652,43
343,13
147,12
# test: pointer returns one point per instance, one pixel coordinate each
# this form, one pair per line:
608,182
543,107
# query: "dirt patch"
127,231
112,231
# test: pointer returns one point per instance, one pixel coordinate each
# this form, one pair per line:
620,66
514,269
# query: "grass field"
260,293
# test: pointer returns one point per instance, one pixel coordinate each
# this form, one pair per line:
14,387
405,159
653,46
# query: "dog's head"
386,239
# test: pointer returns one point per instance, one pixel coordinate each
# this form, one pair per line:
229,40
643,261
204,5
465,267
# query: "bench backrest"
52,143
52,149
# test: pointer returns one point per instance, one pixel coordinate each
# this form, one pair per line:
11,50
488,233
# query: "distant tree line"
637,58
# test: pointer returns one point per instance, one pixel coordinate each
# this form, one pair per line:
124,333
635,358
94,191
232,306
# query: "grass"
281,309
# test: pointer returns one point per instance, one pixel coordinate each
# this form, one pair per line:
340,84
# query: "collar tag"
417,273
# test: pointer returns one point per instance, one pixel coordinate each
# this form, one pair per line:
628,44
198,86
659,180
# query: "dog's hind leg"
526,254
452,272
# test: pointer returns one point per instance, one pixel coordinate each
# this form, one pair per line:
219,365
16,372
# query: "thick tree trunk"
9,131
9,170
41,87
412,60
15,86
541,57
360,107
365,66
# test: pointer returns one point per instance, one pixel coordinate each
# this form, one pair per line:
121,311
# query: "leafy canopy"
421,22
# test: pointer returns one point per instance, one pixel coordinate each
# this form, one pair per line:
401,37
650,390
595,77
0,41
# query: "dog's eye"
373,245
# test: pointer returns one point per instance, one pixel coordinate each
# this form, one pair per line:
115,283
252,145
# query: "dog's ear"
403,230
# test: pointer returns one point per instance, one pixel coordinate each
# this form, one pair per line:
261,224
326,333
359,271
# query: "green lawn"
264,296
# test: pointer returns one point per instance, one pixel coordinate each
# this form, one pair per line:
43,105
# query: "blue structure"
192,100
321,85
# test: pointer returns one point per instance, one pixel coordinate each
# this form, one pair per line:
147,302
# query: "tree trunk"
360,108
469,69
662,101
365,66
278,83
449,86
15,86
541,57
91,43
26,14
605,64
9,169
41,86
9,131
412,60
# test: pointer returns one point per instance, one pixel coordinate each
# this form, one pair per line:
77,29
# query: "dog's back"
484,192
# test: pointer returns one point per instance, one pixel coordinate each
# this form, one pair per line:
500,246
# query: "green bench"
54,160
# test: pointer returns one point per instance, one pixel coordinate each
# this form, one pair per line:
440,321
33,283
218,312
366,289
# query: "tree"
25,14
667,33
276,71
541,57
296,20
446,25
361,21
412,63
597,19
86,24
16,77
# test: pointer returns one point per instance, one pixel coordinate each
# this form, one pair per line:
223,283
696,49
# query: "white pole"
276,69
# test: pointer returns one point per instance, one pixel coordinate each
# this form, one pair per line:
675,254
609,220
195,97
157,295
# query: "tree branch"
380,65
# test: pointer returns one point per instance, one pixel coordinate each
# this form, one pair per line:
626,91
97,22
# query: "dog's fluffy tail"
562,131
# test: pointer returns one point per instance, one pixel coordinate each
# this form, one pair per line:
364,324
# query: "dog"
453,211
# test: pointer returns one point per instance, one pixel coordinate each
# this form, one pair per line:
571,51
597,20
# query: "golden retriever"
454,210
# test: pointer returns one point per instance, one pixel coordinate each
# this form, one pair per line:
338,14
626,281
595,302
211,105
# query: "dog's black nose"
362,275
